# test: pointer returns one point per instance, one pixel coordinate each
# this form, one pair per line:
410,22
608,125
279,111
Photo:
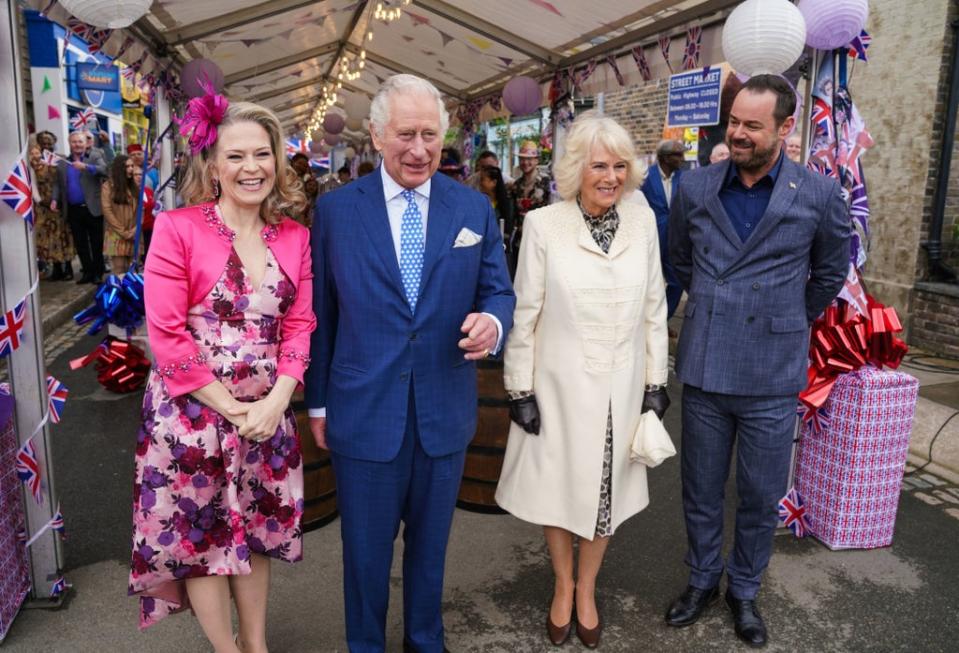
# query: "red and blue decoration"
792,512
11,328
57,392
94,37
121,366
664,42
859,45
694,40
60,585
17,189
117,301
639,56
297,146
28,469
83,119
56,523
817,419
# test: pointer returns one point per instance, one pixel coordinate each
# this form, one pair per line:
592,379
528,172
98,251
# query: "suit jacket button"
404,376
720,282
412,336
751,319
756,286
705,250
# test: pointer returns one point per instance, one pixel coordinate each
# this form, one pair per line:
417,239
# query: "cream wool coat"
589,332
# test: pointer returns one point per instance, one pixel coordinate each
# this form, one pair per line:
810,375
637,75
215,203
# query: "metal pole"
168,200
18,273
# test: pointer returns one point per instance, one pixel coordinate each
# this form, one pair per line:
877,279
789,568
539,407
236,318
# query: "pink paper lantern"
331,139
831,24
333,123
197,71
522,95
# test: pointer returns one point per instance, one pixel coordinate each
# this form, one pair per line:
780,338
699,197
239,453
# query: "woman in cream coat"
586,355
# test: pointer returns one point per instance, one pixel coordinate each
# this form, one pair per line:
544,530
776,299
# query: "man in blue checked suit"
761,246
410,288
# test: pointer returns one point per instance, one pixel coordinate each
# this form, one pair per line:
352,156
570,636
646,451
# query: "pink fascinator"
202,116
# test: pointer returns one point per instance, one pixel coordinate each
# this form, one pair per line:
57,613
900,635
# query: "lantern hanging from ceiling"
832,24
349,152
354,124
111,14
333,123
198,72
764,36
522,95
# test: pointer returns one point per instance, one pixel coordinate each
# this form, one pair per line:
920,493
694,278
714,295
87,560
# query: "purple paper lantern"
331,139
333,123
831,24
522,95
200,71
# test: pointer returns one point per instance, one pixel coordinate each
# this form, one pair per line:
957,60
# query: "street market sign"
694,97
97,77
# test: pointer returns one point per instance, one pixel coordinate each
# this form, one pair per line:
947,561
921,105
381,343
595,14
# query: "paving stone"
954,491
917,482
946,496
938,482
953,512
927,498
910,468
907,483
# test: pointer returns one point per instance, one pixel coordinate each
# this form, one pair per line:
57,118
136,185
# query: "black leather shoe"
690,606
749,624
84,279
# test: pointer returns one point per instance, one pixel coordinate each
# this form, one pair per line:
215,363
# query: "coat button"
720,282
751,319
413,336
756,286
705,250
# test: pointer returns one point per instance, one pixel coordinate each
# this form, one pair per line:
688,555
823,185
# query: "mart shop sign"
98,77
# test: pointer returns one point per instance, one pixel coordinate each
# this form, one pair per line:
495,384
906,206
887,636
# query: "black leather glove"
656,401
525,412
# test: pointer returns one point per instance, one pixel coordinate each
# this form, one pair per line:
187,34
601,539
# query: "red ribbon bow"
844,340
121,366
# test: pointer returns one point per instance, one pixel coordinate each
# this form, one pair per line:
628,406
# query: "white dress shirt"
395,207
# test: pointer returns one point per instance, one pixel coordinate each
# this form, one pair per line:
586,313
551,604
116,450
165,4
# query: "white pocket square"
467,238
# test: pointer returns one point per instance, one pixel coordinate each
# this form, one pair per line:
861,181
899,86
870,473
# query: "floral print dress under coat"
205,498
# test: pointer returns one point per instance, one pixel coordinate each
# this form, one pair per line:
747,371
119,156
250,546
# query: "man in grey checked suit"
760,245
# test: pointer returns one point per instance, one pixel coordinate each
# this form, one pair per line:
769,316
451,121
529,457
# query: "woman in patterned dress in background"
586,356
228,283
53,238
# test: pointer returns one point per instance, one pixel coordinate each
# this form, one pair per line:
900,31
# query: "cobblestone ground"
931,490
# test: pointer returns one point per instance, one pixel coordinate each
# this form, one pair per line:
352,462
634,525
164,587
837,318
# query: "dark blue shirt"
746,206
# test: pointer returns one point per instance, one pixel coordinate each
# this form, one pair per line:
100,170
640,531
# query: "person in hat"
531,190
135,152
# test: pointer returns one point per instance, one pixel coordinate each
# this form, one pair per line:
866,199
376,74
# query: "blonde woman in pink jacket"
219,484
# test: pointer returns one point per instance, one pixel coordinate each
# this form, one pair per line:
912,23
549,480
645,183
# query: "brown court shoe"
558,635
589,636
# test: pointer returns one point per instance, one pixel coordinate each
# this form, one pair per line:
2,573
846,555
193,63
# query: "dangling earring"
216,188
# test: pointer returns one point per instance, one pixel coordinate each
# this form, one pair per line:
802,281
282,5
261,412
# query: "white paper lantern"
112,14
832,24
764,36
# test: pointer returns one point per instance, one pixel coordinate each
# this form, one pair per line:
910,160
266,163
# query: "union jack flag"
94,37
818,419
792,512
11,328
859,45
664,42
129,74
694,39
639,56
611,62
28,469
323,161
48,158
83,119
17,191
57,393
56,523
60,586
21,535
297,146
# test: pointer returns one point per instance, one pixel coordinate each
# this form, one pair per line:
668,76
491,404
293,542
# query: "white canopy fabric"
281,52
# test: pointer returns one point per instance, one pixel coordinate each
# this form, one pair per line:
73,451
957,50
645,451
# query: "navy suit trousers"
373,498
764,428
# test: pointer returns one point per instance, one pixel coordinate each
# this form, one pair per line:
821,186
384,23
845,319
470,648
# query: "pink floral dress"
204,498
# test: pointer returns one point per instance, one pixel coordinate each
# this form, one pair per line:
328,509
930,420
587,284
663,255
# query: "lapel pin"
792,185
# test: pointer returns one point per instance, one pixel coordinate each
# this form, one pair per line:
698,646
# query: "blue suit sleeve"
494,292
326,308
829,258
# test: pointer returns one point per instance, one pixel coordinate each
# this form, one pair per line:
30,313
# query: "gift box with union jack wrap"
850,471
14,576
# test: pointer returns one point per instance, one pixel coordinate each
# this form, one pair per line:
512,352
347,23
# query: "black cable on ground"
931,443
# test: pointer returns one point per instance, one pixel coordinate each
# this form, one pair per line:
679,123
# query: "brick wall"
642,111
935,320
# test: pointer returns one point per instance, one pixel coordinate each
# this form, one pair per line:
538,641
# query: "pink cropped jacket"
188,254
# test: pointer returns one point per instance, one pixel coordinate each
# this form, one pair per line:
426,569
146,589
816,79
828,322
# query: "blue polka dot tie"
411,249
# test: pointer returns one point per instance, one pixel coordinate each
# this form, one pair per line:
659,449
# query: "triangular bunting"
46,84
52,113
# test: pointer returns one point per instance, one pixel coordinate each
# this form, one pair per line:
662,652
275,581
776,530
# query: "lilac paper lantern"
522,95
333,123
200,71
331,139
831,24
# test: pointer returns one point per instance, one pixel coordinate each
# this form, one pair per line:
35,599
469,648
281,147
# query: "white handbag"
651,443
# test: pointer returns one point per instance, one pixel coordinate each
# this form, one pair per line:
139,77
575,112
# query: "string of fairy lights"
350,66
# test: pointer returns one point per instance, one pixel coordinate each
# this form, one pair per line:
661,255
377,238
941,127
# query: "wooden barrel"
484,456
319,483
